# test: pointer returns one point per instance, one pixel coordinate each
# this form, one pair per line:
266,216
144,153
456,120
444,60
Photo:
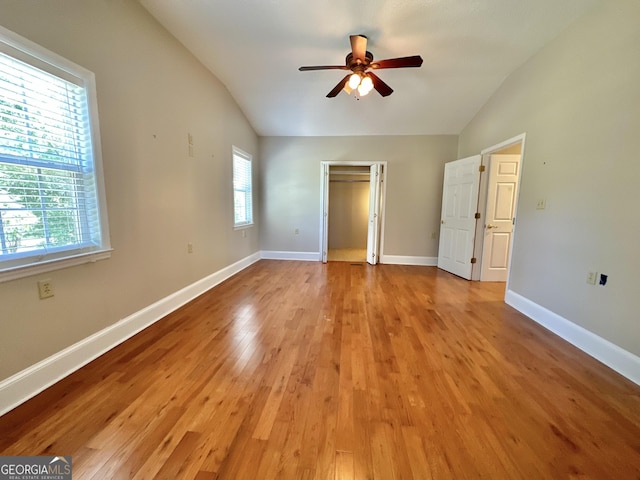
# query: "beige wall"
348,211
578,100
290,176
151,93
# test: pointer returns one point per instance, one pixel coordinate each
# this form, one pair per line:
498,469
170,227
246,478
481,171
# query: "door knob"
491,226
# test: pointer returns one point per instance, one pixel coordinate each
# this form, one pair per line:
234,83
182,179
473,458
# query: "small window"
242,191
52,211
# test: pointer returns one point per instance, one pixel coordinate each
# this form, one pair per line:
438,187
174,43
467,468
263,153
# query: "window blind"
242,189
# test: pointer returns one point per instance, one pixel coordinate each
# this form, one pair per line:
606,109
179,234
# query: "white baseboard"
315,257
277,255
29,382
407,260
625,363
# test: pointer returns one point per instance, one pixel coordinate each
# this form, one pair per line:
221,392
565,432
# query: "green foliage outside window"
38,206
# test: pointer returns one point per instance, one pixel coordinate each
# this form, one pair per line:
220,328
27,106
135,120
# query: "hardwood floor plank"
344,465
299,370
179,461
277,392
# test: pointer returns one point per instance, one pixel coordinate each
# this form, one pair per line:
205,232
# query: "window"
52,212
242,196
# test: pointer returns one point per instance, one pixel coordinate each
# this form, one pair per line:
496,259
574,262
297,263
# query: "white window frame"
239,155
33,262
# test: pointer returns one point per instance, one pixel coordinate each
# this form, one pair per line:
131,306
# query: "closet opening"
352,201
348,213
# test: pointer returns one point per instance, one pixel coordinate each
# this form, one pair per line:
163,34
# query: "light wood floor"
299,370
347,255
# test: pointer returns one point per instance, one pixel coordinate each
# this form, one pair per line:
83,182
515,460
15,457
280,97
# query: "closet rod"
349,181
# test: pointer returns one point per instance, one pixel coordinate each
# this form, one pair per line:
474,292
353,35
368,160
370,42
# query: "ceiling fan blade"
358,46
402,62
382,88
338,87
323,67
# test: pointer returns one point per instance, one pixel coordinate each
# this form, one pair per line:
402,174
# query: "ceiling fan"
360,62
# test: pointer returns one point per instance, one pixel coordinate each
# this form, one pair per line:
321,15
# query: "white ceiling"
469,47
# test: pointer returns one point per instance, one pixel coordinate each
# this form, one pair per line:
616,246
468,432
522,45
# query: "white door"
373,232
502,194
457,221
324,209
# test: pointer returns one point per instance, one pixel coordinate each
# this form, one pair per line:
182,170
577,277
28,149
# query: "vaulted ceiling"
469,47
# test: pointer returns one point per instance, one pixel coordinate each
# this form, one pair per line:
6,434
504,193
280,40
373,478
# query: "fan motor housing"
351,63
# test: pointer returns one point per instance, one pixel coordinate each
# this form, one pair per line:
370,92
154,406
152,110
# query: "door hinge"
481,168
473,260
477,216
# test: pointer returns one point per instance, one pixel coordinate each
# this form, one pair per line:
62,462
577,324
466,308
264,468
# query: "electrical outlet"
541,204
591,278
297,231
244,234
190,143
189,247
45,289
433,235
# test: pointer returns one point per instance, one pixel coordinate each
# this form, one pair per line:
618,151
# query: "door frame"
482,203
378,233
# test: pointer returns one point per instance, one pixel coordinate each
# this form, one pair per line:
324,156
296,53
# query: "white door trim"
507,143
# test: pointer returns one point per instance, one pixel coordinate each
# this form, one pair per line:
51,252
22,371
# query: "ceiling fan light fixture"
366,85
354,81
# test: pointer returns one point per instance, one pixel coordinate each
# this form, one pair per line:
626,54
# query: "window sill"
57,264
243,226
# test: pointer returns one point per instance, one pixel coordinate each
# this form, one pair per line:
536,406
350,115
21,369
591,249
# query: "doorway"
478,217
352,197
349,192
497,202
